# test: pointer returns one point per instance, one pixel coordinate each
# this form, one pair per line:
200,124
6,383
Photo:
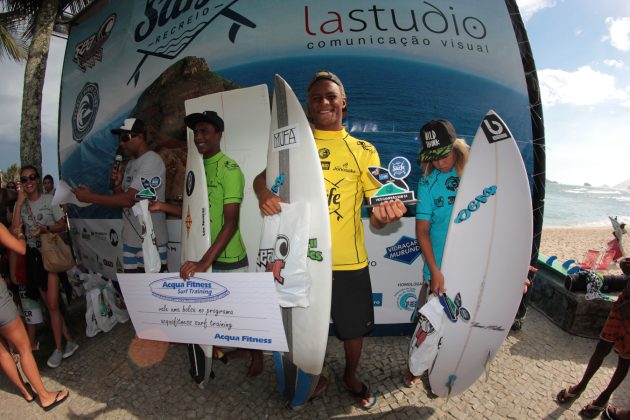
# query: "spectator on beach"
12,330
227,254
35,211
49,185
12,187
145,172
352,306
522,307
442,158
615,334
18,282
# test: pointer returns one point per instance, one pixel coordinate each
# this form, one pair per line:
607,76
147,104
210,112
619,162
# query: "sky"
582,54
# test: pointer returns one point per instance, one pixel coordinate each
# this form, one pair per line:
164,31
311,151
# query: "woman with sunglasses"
12,330
35,211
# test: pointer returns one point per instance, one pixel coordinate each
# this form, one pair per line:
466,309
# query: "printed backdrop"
402,62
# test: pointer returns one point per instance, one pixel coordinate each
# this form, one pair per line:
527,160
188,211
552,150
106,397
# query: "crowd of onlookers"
29,295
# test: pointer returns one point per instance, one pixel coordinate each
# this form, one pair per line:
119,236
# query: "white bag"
105,319
91,327
283,251
91,281
150,254
115,301
423,347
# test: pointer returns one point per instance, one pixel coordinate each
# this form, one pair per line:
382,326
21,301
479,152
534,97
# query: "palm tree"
12,44
39,18
12,173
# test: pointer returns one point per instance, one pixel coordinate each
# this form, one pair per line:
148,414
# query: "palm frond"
13,44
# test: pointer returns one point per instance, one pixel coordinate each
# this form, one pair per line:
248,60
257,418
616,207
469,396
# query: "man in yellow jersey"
345,162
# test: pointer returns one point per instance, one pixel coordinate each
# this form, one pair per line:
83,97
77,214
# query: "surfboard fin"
486,365
449,385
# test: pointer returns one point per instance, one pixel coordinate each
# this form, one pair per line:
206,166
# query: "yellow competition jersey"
345,162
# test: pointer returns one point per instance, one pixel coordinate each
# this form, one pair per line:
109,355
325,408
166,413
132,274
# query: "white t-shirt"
45,214
148,166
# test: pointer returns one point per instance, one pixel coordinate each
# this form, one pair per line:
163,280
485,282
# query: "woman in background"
12,330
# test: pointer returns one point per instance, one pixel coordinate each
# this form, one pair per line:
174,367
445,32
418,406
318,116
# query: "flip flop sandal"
566,396
366,398
56,402
610,413
591,410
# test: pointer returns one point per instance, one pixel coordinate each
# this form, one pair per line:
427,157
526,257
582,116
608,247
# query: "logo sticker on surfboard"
494,129
284,138
190,183
453,308
474,205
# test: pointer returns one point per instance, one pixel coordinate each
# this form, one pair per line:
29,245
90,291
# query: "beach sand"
572,243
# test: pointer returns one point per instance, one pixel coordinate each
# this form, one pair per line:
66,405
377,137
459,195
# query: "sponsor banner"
464,53
395,270
228,310
402,63
98,245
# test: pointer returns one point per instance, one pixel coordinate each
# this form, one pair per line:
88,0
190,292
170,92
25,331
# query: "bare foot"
410,380
322,384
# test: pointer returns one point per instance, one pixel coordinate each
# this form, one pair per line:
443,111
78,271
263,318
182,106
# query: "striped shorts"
133,258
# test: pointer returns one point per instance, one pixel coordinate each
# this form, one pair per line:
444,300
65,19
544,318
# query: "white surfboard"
195,236
486,257
245,113
195,239
294,171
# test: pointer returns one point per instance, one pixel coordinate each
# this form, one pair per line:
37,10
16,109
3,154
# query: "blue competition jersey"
436,196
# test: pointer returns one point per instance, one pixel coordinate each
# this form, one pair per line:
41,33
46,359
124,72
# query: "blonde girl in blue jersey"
442,159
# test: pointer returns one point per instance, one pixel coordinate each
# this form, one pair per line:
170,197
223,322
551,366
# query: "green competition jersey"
225,182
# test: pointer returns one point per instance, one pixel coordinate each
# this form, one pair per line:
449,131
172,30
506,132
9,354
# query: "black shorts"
352,307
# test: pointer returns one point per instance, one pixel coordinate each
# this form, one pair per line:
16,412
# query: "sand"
572,243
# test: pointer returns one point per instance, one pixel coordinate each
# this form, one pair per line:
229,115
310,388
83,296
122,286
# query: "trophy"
392,182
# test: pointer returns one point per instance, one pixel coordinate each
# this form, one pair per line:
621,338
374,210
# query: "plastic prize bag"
423,347
114,299
98,314
91,327
103,312
283,252
150,254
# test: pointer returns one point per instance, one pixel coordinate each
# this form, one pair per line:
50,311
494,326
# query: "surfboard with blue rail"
294,173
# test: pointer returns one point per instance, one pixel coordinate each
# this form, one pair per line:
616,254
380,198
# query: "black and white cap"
130,125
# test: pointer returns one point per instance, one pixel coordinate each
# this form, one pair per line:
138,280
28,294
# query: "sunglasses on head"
127,136
31,177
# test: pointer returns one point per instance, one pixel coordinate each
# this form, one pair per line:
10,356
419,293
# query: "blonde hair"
460,153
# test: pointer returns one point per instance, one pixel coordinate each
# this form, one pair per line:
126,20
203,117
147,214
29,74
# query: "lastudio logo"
177,24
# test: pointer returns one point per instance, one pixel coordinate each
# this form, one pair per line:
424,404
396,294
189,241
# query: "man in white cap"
144,177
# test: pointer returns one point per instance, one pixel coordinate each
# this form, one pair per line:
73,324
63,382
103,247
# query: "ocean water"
390,99
576,206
